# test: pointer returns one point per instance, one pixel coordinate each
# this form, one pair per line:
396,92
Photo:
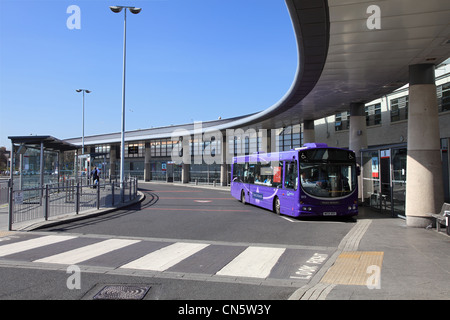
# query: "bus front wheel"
277,206
243,197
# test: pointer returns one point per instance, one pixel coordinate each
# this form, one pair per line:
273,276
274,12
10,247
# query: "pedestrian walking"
95,174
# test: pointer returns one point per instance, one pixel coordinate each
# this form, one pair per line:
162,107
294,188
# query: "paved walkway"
391,261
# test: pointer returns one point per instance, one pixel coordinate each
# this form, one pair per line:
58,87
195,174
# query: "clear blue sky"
187,60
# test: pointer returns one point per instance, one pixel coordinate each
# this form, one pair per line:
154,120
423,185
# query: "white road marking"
166,257
31,244
255,262
87,252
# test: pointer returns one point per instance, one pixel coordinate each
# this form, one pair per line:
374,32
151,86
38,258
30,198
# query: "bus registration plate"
329,213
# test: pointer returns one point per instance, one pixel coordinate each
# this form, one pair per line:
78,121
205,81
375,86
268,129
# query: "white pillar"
358,136
424,184
358,131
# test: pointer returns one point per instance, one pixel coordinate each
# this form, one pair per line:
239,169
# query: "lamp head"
115,9
135,10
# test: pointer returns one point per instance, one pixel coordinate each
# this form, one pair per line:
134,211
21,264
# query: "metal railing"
67,198
4,191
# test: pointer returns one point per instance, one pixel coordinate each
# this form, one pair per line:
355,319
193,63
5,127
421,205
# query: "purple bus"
315,180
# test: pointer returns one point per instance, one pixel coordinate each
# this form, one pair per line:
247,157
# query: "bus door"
288,194
246,172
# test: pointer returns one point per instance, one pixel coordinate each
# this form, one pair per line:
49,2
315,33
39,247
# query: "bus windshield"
328,180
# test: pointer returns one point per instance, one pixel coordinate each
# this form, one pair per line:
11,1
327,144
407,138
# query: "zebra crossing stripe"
254,262
25,245
166,257
87,252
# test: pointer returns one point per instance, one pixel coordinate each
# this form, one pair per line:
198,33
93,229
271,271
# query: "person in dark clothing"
95,174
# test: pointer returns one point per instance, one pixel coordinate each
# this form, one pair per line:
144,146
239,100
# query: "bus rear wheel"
277,206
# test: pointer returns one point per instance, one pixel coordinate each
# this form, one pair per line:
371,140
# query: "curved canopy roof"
348,51
346,57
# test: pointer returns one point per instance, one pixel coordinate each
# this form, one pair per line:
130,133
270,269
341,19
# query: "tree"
3,159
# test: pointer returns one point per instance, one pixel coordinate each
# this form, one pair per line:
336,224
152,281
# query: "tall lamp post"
134,10
82,139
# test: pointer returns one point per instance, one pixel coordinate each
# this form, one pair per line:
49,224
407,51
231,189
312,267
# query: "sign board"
18,197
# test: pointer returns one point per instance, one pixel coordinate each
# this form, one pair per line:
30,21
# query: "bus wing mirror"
358,170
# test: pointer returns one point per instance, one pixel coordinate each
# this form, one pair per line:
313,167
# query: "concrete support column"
112,162
223,163
185,172
424,184
358,130
147,160
358,136
267,141
309,135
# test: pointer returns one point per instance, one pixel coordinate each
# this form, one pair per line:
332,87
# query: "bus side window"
277,174
291,176
238,172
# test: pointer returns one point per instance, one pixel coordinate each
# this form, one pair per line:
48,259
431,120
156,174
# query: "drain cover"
122,292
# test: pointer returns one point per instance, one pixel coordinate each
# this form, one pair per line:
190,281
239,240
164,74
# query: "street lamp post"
134,10
82,139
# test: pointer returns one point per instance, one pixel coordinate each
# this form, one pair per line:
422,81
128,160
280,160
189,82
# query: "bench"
443,217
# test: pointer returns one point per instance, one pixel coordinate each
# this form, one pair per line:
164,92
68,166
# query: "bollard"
112,189
77,199
11,205
46,201
98,194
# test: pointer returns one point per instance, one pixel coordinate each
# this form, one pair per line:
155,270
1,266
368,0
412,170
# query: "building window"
134,149
289,138
443,95
162,147
399,109
103,149
373,114
342,121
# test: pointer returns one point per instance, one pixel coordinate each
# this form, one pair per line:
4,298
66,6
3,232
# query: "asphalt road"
182,212
173,215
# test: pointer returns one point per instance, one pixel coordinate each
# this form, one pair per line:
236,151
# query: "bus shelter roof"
49,142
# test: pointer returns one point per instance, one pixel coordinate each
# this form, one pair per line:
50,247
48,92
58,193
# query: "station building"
149,153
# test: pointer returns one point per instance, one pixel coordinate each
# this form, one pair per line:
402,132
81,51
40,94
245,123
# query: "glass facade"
384,178
443,95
